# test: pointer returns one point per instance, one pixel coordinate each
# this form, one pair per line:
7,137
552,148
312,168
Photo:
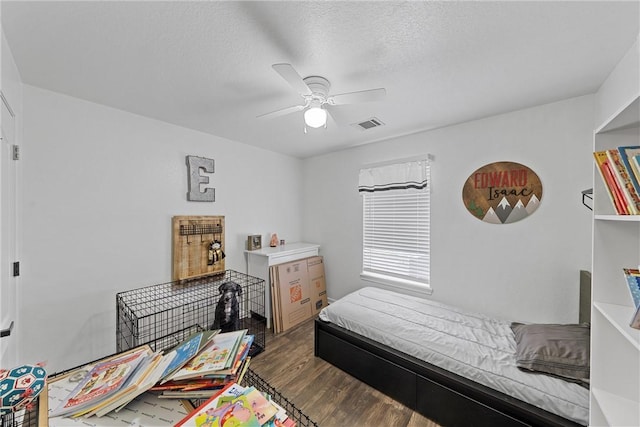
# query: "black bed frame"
440,395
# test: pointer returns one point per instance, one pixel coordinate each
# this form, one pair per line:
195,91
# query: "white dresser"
259,261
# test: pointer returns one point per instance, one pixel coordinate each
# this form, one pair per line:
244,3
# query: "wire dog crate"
252,379
164,315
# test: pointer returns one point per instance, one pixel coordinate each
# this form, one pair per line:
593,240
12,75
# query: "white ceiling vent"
369,124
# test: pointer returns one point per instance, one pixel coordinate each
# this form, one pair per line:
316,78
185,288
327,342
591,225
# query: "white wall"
528,270
100,188
11,86
621,86
11,82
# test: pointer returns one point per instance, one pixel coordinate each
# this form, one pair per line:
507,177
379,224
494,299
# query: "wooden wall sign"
502,192
198,246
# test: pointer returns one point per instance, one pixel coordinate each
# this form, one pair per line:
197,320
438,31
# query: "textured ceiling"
206,65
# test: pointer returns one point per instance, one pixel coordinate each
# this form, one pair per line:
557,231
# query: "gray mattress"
472,345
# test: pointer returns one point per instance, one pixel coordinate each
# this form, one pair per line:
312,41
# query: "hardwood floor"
327,395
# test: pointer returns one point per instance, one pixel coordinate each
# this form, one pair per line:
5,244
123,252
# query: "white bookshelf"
615,346
624,218
620,411
618,316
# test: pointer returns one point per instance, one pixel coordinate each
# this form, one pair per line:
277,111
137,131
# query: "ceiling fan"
316,99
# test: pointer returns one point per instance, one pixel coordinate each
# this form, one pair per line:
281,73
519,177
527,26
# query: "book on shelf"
635,320
632,277
634,161
627,153
623,178
619,169
606,173
239,406
103,381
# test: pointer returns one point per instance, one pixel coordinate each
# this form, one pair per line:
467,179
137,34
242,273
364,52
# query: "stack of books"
632,276
206,361
620,171
112,383
201,372
238,406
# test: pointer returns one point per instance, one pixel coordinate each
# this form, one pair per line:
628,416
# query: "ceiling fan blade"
335,114
293,78
281,112
357,97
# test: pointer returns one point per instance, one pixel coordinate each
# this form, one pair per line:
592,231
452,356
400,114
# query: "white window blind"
396,224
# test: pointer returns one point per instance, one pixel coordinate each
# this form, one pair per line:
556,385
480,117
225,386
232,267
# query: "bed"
455,368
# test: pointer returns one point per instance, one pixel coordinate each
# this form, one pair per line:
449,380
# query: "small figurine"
215,252
274,240
210,254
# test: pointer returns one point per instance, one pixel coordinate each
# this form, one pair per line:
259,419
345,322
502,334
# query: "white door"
8,299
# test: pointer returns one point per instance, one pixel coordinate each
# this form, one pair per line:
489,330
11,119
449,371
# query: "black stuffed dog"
227,316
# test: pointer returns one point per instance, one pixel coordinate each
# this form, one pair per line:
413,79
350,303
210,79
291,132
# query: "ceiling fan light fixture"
315,93
315,117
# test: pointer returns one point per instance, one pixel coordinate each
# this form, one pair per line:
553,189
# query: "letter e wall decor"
194,165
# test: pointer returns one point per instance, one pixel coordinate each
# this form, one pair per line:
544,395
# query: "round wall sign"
502,192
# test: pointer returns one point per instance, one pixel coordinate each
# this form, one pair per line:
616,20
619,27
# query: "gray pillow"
554,349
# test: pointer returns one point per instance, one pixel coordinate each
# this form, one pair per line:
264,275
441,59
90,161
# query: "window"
396,224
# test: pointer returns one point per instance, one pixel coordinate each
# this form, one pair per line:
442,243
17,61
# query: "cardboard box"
317,284
275,299
293,287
